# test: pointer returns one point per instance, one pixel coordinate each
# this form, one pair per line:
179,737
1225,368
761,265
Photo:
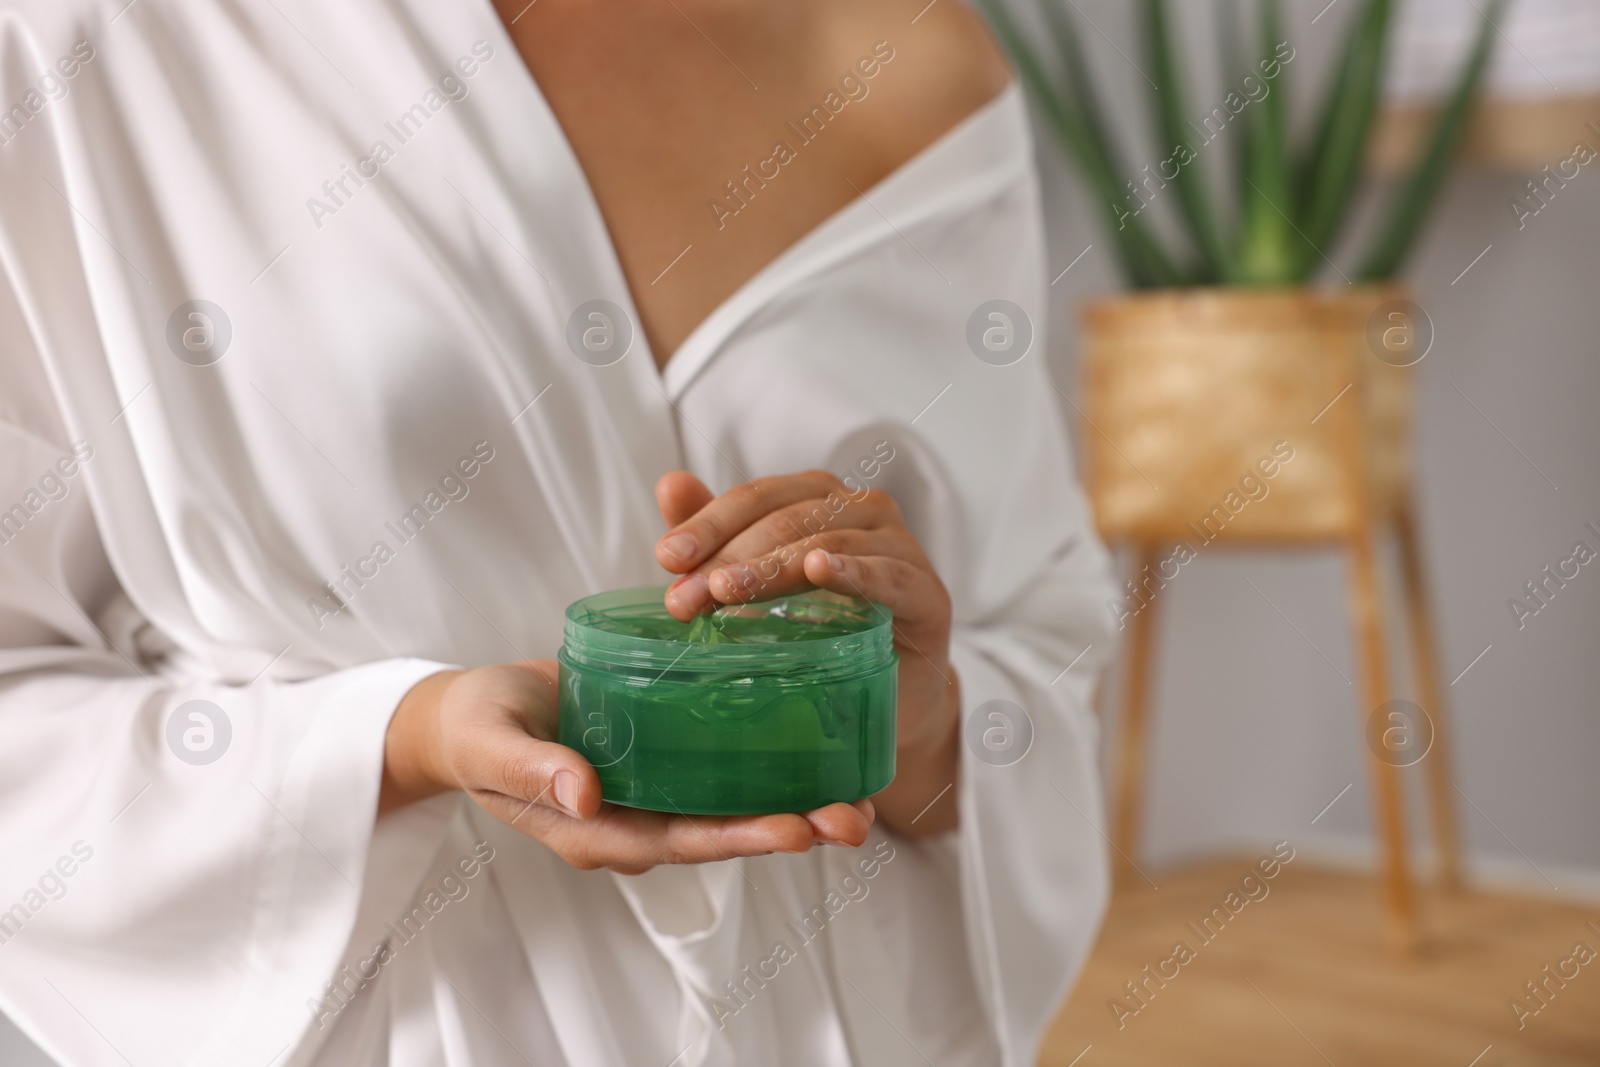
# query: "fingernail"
566,791
692,592
735,578
835,563
678,547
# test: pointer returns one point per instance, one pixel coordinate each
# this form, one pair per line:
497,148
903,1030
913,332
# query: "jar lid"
811,635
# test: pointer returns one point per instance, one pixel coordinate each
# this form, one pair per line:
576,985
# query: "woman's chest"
715,137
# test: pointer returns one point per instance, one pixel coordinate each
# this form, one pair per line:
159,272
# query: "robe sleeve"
984,476
184,857
1008,530
1032,872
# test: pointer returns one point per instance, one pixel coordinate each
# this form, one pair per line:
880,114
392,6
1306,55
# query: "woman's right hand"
491,731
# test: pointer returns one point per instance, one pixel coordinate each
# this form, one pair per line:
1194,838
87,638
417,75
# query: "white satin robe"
371,349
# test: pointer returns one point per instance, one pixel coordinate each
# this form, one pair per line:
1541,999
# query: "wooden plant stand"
1185,392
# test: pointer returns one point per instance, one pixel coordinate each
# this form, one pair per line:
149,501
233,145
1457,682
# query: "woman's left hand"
785,534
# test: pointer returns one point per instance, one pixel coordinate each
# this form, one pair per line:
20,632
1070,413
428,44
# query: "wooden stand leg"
1431,692
1131,752
1366,621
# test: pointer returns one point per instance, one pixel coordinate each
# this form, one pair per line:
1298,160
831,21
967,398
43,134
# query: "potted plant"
1230,347
1230,374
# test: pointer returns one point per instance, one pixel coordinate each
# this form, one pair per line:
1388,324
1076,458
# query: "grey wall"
1253,731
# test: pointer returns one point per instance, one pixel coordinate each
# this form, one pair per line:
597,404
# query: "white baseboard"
1570,883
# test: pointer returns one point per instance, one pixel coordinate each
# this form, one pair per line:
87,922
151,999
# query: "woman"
341,347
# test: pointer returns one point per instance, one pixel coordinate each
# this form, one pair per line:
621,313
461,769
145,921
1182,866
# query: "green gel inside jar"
785,705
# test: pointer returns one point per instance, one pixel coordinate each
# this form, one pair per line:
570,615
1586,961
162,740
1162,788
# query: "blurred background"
1252,728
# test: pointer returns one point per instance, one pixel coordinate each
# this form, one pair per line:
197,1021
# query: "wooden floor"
1305,976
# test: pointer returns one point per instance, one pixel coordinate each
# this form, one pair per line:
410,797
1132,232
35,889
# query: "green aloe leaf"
1153,261
1083,134
1190,181
1234,69
1328,175
1270,247
1421,189
1069,47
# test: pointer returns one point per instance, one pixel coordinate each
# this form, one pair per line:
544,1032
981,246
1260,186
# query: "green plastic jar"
785,705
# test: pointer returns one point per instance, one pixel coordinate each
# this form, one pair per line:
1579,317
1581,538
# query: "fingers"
630,869
802,521
789,531
842,824
782,571
632,840
836,824
679,495
913,593
714,524
764,559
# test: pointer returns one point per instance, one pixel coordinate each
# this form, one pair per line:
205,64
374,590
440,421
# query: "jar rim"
866,647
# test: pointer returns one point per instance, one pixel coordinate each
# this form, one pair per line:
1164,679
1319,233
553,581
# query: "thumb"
503,759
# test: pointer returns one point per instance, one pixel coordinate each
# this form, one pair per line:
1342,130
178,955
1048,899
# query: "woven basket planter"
1194,395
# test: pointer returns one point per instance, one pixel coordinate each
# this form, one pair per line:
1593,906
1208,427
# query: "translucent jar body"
785,705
